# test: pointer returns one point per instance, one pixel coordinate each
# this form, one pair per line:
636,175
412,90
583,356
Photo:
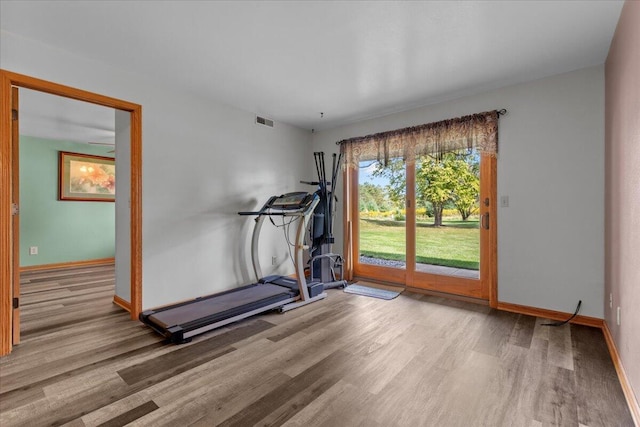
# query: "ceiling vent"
264,122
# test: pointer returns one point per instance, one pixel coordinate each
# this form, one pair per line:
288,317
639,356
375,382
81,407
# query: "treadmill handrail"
262,209
298,246
271,213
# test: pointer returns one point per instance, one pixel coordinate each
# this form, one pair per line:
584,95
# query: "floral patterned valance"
479,131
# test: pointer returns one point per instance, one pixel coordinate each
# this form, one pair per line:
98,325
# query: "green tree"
467,184
372,198
435,183
395,173
453,178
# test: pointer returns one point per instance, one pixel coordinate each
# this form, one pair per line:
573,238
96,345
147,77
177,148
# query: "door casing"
9,80
484,289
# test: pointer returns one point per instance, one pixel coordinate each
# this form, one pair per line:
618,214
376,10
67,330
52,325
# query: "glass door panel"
382,214
447,229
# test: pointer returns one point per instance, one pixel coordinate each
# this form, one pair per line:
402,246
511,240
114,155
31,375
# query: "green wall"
63,231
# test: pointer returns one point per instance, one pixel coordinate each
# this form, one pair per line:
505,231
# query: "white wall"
123,204
551,165
202,162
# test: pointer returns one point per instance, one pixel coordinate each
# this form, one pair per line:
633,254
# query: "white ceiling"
292,60
54,117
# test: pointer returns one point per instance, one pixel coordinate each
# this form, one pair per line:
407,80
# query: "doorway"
429,223
9,214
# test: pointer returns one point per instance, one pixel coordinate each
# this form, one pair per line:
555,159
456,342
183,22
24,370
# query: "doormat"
369,291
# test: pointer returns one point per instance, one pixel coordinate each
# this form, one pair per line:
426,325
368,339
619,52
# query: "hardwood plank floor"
348,360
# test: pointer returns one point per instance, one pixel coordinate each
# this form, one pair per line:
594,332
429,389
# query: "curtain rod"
501,112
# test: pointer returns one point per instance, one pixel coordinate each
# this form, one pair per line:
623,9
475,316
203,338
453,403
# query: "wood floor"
346,361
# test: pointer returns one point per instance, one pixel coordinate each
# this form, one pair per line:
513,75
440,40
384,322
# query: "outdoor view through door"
447,207
424,216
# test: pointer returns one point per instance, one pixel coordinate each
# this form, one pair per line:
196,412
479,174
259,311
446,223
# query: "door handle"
485,221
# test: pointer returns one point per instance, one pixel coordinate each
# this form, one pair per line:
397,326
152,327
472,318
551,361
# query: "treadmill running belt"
209,307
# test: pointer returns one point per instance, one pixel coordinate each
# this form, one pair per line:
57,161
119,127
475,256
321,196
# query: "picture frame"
86,177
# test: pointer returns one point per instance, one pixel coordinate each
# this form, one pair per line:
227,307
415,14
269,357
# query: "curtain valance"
479,131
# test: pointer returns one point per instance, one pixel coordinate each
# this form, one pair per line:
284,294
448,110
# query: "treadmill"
180,322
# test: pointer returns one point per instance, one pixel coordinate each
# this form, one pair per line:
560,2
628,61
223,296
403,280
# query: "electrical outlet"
33,250
274,260
504,201
618,317
611,300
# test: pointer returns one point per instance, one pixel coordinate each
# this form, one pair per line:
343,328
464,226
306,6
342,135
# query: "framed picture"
84,177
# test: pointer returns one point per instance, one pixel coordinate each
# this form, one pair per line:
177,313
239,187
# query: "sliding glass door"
426,224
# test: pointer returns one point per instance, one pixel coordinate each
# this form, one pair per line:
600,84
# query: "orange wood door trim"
489,238
347,223
15,199
449,285
122,303
410,223
8,80
6,228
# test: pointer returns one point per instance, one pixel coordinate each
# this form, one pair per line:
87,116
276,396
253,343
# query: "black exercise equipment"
323,262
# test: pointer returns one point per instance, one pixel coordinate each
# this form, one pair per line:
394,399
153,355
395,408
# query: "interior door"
15,226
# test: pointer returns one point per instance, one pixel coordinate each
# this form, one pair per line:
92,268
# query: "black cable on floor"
565,321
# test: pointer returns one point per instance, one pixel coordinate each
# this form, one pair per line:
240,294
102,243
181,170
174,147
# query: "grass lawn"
456,244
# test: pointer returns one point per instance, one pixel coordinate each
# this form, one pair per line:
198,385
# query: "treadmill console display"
298,200
290,204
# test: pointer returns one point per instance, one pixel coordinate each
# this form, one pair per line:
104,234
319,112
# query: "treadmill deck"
219,306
